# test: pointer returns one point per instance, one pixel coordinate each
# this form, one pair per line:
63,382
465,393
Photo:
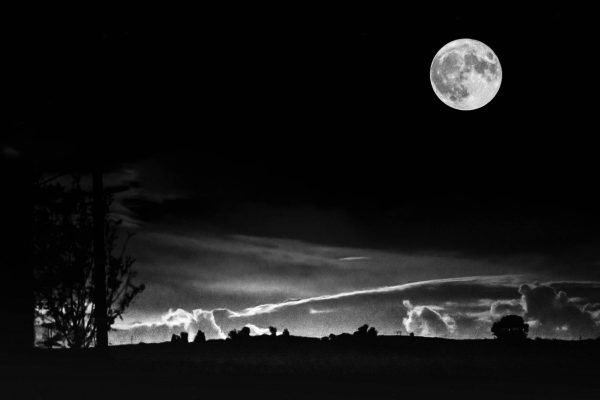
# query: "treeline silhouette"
509,329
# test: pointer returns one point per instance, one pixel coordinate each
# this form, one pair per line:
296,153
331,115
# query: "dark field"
299,368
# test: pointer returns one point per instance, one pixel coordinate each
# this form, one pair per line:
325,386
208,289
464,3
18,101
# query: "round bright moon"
465,74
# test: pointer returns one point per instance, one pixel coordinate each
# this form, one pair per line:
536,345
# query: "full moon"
465,74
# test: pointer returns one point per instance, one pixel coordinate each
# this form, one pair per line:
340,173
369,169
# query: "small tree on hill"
273,331
243,333
364,332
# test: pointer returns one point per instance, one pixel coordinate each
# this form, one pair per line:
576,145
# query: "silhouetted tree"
364,332
273,331
63,260
175,338
510,327
200,337
361,331
243,333
184,337
285,333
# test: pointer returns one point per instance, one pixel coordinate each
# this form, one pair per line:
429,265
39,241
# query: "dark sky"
265,147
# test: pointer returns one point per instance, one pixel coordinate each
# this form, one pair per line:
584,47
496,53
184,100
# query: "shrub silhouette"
510,327
199,338
364,332
285,333
184,338
243,333
273,331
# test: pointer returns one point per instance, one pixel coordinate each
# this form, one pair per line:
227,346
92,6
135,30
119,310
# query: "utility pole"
99,273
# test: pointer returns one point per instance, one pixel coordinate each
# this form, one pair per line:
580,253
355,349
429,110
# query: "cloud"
553,314
458,307
501,308
471,326
215,269
425,321
592,307
172,322
257,331
483,282
315,311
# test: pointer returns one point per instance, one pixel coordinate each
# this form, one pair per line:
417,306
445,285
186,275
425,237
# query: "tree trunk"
99,209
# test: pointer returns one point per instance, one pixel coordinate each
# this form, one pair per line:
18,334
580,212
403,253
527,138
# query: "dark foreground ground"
296,368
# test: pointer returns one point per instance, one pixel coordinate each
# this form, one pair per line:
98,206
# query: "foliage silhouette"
510,327
242,334
63,266
285,333
273,331
184,337
364,332
200,337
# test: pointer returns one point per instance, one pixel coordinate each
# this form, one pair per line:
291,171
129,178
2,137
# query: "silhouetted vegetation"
199,338
510,328
241,334
364,332
300,366
273,331
184,337
63,263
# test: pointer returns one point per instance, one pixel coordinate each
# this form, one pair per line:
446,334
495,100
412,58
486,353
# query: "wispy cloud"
268,308
315,311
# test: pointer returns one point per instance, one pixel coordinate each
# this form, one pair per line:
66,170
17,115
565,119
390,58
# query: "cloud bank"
455,308
553,314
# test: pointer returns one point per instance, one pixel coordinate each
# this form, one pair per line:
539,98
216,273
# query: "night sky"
295,168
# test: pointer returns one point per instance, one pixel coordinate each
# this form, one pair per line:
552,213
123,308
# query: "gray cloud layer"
244,280
420,307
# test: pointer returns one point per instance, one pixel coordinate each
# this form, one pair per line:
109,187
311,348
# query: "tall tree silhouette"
64,258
